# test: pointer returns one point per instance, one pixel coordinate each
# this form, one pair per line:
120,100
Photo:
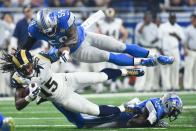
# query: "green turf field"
46,118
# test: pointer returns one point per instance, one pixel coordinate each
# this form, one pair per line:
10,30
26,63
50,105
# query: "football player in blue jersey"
147,113
59,28
6,123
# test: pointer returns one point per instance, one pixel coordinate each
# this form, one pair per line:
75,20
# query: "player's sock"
136,51
112,73
91,121
1,120
73,117
106,110
121,59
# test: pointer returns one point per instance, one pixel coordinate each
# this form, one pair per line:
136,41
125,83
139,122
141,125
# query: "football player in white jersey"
35,74
112,26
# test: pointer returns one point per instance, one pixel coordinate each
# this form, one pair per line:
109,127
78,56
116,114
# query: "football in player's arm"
33,76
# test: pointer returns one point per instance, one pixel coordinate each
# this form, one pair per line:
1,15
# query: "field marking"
26,126
185,125
39,118
56,112
109,95
62,118
45,125
185,109
29,126
189,107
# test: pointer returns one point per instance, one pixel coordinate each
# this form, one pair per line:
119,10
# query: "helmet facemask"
172,105
173,111
27,70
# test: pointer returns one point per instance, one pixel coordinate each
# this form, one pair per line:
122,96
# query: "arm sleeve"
32,30
152,118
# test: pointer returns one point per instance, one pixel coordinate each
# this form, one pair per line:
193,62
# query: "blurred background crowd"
163,26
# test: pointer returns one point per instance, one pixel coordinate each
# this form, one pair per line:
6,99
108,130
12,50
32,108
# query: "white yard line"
109,95
59,118
189,107
39,118
45,126
185,108
183,125
25,126
29,126
133,94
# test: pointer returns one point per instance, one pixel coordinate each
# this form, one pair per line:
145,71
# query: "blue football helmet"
172,105
46,21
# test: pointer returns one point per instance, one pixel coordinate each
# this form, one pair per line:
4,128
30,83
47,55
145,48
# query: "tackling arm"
70,42
72,36
29,44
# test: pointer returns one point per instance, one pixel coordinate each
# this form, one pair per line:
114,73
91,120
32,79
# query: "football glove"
162,123
65,56
33,92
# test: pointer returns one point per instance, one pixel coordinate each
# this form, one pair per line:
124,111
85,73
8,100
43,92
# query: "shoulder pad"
33,29
43,56
65,19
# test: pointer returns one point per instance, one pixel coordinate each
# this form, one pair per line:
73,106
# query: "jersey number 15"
50,85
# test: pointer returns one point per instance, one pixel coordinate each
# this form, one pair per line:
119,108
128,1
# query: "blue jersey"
157,105
65,19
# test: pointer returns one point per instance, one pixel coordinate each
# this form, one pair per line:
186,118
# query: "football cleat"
135,72
8,124
165,60
149,62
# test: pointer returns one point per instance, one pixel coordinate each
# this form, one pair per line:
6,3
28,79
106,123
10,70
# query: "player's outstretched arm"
29,44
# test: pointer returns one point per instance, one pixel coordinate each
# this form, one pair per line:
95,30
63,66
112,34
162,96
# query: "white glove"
33,92
65,56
